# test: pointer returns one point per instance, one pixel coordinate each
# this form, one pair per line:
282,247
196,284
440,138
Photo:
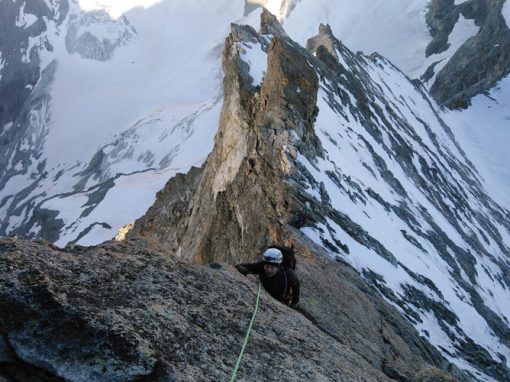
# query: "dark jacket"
284,286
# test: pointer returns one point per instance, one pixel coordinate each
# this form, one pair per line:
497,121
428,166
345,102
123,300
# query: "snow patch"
7,126
506,12
279,8
256,58
33,42
137,191
115,8
25,20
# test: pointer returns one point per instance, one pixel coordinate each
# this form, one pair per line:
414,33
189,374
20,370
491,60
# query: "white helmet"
273,256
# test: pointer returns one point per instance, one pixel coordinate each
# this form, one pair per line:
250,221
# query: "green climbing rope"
238,363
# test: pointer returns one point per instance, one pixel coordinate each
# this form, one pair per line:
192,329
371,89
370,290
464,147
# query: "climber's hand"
251,277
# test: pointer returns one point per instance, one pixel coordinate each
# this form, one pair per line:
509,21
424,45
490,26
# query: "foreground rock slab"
127,312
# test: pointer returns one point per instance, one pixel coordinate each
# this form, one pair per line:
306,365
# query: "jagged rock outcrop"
250,172
125,311
480,62
324,40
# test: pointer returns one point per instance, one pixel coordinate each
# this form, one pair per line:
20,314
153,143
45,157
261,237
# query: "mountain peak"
269,24
324,39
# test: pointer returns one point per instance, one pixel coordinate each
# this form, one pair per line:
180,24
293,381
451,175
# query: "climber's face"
270,269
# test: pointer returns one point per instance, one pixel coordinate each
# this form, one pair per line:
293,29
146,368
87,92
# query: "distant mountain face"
25,80
480,62
457,48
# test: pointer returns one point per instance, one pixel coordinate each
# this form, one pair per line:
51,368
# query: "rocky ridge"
248,173
272,171
156,317
262,184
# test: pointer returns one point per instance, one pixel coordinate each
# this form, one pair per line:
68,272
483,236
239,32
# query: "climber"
277,278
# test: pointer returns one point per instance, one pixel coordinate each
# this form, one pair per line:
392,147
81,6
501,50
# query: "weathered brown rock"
323,39
160,219
269,24
249,173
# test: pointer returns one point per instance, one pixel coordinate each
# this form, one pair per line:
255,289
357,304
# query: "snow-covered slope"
394,195
484,133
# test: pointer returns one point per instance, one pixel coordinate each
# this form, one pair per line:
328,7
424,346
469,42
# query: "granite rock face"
125,311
